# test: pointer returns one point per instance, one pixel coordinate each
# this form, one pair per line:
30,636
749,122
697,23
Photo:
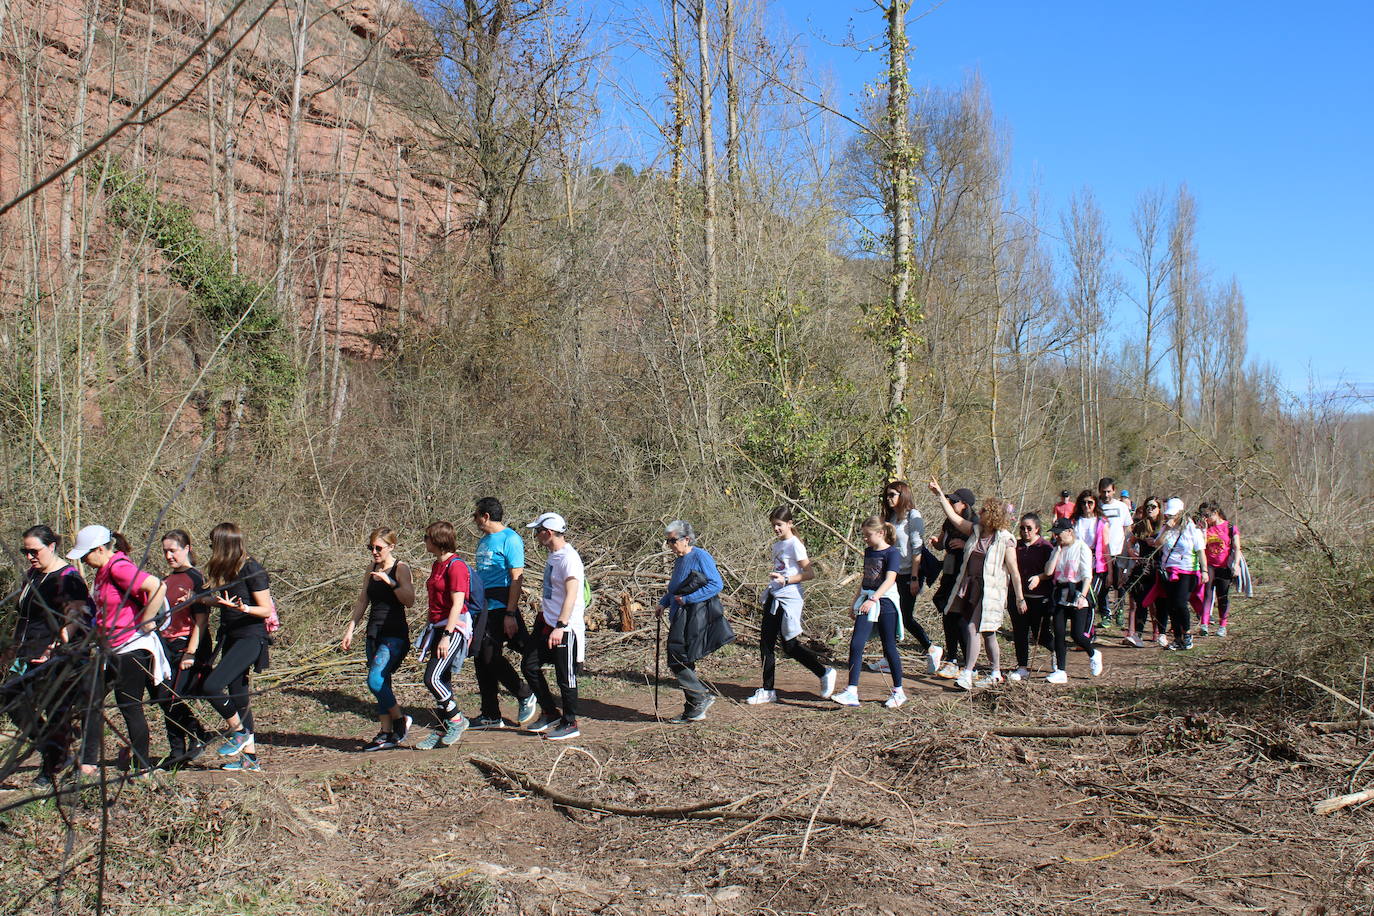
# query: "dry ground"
1208,811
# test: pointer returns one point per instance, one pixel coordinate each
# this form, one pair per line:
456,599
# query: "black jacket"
698,628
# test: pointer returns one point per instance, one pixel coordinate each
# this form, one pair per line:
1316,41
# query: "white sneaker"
1163,640
897,699
1020,674
1221,631
827,683
1095,663
949,671
993,679
965,679
761,696
933,655
1133,641
847,697
1057,677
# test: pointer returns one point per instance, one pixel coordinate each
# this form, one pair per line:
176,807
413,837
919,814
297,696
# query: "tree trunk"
899,156
299,24
708,165
732,144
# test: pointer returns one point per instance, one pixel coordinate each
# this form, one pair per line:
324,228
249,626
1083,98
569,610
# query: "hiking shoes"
244,764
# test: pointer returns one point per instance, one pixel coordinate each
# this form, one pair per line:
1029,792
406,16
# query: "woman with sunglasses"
1033,553
899,510
54,608
388,589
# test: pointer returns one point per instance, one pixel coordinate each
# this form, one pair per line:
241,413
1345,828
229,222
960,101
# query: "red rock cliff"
364,210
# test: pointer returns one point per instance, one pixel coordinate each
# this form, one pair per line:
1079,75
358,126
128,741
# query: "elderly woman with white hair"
696,620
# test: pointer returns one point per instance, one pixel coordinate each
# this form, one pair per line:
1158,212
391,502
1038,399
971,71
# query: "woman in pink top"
129,652
1222,549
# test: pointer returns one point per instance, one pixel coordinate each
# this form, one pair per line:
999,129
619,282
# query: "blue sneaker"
244,764
237,742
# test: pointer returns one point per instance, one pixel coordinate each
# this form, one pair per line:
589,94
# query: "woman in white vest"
980,592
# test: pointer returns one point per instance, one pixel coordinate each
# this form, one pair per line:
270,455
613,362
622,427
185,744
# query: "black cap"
1061,524
1064,494
962,495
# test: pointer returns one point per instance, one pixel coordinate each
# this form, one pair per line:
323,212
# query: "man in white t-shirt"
560,630
1118,516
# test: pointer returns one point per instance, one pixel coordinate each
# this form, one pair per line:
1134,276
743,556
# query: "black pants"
1222,577
769,636
1032,625
563,657
1073,622
955,650
183,727
1176,595
494,670
40,703
226,687
907,602
130,677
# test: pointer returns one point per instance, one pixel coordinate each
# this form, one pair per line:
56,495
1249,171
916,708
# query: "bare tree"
708,162
1184,289
1150,258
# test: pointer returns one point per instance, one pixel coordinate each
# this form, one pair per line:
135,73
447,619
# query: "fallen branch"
1342,725
1332,805
1066,731
700,810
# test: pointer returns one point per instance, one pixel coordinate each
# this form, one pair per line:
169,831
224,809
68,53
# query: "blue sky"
1265,109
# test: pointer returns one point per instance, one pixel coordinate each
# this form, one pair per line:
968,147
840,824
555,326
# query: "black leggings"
1221,594
226,687
1076,621
182,724
129,675
769,636
564,659
1028,626
1176,595
494,670
40,702
907,601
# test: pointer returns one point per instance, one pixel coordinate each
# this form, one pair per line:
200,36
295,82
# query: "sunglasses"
1089,502
1027,527
891,495
375,549
33,551
673,540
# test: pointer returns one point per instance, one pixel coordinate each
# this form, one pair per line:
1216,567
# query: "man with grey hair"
696,620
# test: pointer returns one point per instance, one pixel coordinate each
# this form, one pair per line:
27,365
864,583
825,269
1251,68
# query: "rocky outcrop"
365,208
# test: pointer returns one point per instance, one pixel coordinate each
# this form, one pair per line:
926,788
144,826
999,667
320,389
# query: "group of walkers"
136,635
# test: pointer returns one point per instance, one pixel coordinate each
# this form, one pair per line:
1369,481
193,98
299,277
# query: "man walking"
500,560
560,631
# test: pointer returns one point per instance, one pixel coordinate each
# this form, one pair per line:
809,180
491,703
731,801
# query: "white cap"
88,539
1173,506
550,520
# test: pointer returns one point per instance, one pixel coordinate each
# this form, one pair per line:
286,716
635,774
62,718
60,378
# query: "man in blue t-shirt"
500,564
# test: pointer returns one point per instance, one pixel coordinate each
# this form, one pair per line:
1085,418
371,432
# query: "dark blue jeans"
384,656
887,629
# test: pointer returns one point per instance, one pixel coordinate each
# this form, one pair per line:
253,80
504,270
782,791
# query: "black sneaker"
487,722
194,751
384,741
563,732
700,711
402,729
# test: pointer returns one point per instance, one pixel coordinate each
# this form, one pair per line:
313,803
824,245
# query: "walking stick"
658,644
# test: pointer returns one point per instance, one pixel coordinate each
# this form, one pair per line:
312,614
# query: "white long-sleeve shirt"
1071,564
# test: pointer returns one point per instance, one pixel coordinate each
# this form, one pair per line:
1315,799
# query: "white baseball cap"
550,520
88,539
1173,506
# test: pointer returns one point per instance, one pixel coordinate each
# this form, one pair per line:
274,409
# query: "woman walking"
782,609
130,659
899,510
186,639
1070,571
1183,570
42,673
873,605
1144,573
242,592
696,620
1032,553
1223,556
980,593
387,591
448,636
1090,530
